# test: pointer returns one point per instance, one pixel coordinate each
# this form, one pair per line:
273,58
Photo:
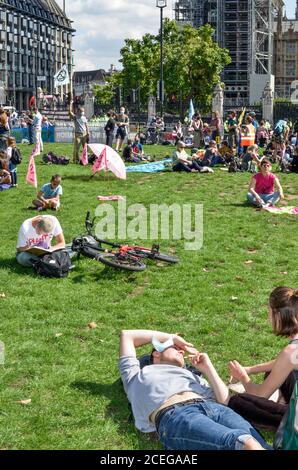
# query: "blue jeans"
205,426
272,198
26,259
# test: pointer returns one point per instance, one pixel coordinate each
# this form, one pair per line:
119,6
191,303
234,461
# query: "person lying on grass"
49,195
186,412
283,371
262,185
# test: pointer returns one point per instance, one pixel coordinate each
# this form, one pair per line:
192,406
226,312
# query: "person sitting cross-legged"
186,412
261,188
49,195
38,232
182,161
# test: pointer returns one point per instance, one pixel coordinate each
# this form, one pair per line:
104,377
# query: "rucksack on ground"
56,264
16,157
55,159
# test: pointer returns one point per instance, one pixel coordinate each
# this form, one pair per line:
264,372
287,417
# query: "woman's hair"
11,142
283,302
249,119
265,160
252,148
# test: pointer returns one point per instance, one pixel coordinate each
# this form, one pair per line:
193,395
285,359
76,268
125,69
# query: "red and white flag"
31,177
84,156
100,162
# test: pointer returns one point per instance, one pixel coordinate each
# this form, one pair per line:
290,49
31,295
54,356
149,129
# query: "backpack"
55,159
16,157
279,127
55,264
86,245
233,166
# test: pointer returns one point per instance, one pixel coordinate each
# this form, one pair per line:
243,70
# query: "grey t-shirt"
80,125
148,388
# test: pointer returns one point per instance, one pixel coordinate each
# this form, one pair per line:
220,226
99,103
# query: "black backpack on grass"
55,264
16,157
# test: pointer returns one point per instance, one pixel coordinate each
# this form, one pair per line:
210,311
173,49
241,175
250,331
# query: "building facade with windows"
286,55
35,42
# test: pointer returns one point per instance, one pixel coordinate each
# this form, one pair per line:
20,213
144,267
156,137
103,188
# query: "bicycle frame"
123,249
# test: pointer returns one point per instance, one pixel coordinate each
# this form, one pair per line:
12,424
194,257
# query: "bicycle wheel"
166,258
118,261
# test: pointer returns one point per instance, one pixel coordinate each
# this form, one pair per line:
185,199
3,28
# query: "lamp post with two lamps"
161,4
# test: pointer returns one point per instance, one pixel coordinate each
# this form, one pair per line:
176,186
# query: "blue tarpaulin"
153,167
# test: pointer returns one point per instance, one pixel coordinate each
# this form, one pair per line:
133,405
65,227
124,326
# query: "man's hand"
181,343
200,361
238,372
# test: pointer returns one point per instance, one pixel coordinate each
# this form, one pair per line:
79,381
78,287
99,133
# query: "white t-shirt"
29,237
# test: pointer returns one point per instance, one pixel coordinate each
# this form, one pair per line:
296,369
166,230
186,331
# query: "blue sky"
102,25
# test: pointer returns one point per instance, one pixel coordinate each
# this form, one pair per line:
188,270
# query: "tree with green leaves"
193,63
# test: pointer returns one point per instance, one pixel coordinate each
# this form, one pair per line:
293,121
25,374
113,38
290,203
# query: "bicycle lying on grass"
116,255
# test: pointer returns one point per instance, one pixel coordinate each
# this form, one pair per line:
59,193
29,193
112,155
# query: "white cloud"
102,25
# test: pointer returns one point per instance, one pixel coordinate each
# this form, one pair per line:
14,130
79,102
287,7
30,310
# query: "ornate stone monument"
89,103
217,100
151,108
268,103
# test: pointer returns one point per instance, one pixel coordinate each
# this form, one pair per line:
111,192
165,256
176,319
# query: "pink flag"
84,156
100,162
31,177
36,150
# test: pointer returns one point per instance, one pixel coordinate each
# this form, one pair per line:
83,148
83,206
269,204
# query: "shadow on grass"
14,266
101,178
116,409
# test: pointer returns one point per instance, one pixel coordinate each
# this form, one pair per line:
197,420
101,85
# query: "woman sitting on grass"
283,316
182,161
261,188
5,177
49,195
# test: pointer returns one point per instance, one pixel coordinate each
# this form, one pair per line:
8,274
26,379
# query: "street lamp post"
35,46
161,4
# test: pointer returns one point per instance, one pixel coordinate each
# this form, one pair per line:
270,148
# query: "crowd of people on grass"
176,390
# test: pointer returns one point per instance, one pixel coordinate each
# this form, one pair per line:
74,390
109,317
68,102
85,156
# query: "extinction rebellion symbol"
62,75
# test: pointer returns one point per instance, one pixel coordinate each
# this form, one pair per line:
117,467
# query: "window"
291,68
290,48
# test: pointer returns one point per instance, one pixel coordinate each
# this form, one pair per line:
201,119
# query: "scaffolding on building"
190,12
245,28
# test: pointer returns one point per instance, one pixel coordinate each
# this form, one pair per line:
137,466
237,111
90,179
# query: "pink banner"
84,156
31,177
110,198
100,162
36,150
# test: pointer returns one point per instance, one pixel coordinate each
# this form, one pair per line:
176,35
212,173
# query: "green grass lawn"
212,297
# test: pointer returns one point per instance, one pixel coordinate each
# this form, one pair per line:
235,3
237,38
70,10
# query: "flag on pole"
84,156
36,150
100,162
31,177
241,117
191,111
62,77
